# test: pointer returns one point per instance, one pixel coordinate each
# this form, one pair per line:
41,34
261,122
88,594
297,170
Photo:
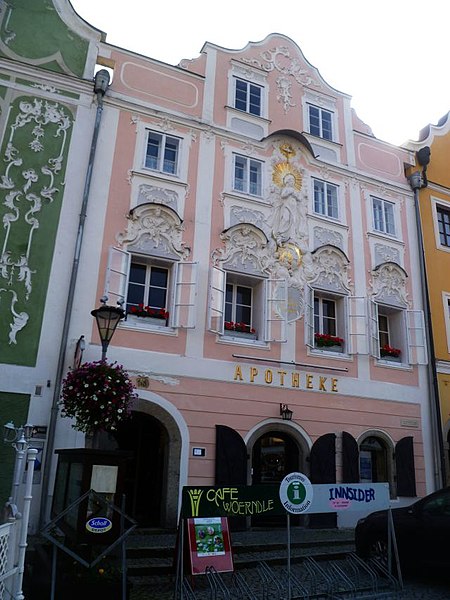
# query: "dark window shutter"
323,470
406,473
231,457
323,459
350,459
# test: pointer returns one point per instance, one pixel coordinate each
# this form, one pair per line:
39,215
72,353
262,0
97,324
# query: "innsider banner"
234,501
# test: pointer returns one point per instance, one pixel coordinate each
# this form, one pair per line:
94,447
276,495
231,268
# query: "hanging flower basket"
389,351
98,395
324,340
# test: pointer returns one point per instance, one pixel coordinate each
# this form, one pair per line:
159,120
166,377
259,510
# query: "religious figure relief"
288,216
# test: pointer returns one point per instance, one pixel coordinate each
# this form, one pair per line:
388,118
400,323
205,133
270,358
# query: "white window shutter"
358,342
374,334
216,307
417,346
309,316
117,273
276,301
185,294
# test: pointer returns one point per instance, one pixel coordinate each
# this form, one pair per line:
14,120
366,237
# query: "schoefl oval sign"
99,525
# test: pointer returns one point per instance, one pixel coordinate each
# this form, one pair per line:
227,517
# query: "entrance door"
275,455
147,440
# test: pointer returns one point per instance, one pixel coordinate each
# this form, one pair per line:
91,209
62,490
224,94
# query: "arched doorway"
373,463
147,441
275,454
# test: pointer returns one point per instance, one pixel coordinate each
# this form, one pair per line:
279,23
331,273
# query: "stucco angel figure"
288,211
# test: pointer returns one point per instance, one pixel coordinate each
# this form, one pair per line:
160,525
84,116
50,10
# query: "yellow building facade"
430,180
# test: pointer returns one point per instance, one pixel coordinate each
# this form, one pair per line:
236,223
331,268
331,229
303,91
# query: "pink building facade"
272,239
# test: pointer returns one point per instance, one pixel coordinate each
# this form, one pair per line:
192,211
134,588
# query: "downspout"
101,83
417,181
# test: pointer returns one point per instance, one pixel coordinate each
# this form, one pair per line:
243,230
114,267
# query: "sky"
390,56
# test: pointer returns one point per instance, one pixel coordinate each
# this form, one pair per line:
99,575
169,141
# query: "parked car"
422,531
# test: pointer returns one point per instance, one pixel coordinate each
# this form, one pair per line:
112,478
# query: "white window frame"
446,309
340,313
164,138
325,187
246,188
321,113
181,294
271,322
412,331
249,85
444,206
383,228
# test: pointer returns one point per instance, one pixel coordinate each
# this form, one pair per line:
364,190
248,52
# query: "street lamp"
19,438
107,318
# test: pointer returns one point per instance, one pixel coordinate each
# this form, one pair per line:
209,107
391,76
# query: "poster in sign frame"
209,545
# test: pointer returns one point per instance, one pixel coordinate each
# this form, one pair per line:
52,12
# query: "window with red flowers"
148,291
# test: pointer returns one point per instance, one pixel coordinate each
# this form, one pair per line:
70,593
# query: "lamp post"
19,438
107,318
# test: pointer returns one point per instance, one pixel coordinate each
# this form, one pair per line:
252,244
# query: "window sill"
239,337
391,361
338,349
146,324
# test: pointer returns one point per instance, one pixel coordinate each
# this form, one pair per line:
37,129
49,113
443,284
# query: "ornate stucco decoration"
327,237
245,248
279,59
29,189
239,214
331,269
157,195
154,229
385,254
389,284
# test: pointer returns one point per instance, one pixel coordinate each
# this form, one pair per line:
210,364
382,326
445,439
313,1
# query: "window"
247,97
320,122
325,321
391,338
238,304
148,287
162,153
383,216
247,175
157,292
325,199
244,306
443,217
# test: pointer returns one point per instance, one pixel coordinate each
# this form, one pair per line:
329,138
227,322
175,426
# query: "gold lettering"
309,382
238,373
268,375
253,373
282,374
322,384
295,379
334,383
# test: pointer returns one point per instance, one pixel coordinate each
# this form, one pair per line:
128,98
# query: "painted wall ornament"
29,185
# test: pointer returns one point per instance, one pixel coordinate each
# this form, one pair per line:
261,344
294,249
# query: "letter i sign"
296,493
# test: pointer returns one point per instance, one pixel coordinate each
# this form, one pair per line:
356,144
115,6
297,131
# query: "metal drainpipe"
418,181
101,83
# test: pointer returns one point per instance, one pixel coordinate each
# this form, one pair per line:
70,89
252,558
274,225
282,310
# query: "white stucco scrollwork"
331,269
154,229
246,247
389,284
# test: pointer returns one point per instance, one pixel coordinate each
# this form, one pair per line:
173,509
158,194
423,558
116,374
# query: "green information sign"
232,501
